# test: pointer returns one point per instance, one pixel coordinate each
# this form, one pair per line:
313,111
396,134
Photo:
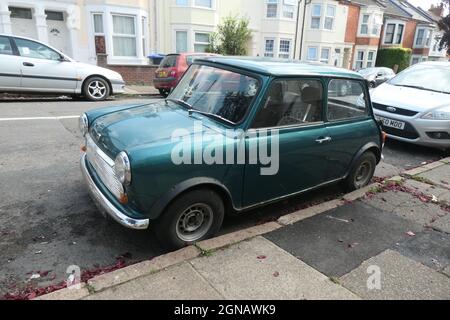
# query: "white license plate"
392,123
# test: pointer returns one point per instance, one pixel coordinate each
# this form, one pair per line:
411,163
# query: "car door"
348,119
10,75
289,125
43,68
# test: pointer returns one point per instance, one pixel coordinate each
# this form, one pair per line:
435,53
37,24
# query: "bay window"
272,8
423,37
285,49
201,41
359,60
312,54
181,41
329,17
370,59
325,55
269,48
124,36
365,24
288,10
98,23
203,3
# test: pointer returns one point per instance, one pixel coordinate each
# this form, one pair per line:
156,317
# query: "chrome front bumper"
106,206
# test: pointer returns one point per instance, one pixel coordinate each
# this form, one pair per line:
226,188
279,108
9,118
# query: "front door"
9,66
293,112
43,69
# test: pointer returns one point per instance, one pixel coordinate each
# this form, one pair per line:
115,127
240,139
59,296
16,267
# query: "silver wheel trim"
194,222
97,89
363,174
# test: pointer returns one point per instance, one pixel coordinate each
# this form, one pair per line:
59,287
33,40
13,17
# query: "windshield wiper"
180,102
209,114
419,87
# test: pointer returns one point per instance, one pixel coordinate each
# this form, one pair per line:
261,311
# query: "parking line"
39,118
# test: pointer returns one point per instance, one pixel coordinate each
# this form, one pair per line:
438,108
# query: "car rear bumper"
417,130
106,206
164,83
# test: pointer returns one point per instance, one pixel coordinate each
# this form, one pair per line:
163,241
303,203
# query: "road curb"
425,168
67,294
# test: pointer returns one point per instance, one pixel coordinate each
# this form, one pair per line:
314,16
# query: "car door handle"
322,140
28,64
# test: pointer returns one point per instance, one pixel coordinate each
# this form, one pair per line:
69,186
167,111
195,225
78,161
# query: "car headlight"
122,168
84,124
438,114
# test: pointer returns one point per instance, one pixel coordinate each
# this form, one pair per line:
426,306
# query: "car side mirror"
62,59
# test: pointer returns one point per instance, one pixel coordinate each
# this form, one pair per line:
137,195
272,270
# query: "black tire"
172,228
362,172
164,92
96,89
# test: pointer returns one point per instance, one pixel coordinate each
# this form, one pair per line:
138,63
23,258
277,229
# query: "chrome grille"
103,166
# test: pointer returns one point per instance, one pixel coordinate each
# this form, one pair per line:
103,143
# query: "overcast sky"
424,4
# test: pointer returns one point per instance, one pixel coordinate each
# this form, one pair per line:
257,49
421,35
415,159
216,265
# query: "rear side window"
169,62
346,100
31,49
5,46
291,102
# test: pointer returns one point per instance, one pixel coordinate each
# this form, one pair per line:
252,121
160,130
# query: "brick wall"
368,41
132,74
410,33
352,23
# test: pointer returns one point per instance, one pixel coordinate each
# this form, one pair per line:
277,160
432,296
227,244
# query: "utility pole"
303,26
296,30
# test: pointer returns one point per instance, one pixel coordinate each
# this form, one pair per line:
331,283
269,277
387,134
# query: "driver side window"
31,49
291,102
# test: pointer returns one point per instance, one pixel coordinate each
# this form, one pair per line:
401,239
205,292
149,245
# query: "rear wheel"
362,172
96,89
194,216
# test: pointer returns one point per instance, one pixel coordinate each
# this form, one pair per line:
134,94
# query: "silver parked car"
415,105
28,65
377,75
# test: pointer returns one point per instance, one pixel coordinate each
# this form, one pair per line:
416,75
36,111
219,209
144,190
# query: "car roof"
282,67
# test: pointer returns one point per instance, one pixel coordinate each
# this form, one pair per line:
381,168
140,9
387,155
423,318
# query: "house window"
420,37
21,13
394,33
400,28
325,55
144,35
329,17
315,16
269,48
285,49
390,30
359,60
370,59
312,54
124,36
98,23
201,42
288,11
377,22
203,3
415,60
54,15
423,38
183,3
181,39
272,8
365,24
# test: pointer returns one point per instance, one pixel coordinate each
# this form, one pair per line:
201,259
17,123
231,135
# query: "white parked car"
415,105
28,65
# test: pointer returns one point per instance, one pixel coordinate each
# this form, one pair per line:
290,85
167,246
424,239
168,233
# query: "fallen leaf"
411,234
276,274
261,257
35,276
435,199
38,252
352,245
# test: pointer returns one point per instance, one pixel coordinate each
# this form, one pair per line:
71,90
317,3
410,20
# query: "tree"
444,25
231,38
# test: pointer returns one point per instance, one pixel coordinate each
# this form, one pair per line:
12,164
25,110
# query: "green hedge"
390,57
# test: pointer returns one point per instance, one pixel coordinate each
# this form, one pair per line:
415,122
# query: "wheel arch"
371,146
190,185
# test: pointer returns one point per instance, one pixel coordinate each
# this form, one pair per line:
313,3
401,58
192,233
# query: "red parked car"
172,68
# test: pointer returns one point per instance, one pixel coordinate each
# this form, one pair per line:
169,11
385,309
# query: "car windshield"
425,77
215,91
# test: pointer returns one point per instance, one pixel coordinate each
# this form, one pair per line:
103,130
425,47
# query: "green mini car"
236,133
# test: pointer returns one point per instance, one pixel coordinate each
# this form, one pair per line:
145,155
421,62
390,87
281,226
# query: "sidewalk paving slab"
180,282
401,278
442,223
431,248
407,206
430,190
339,240
258,269
440,176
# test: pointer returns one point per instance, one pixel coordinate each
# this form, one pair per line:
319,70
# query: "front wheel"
194,216
362,172
96,89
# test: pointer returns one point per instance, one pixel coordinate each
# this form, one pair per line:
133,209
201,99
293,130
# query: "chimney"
437,10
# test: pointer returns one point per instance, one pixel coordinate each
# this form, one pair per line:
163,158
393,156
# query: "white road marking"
39,118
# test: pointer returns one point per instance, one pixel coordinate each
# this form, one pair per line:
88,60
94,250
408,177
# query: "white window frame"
284,54
316,56
272,3
395,36
144,26
357,60
195,42
93,23
367,24
269,54
316,16
373,61
326,61
175,39
426,40
135,36
195,5
288,10
327,16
